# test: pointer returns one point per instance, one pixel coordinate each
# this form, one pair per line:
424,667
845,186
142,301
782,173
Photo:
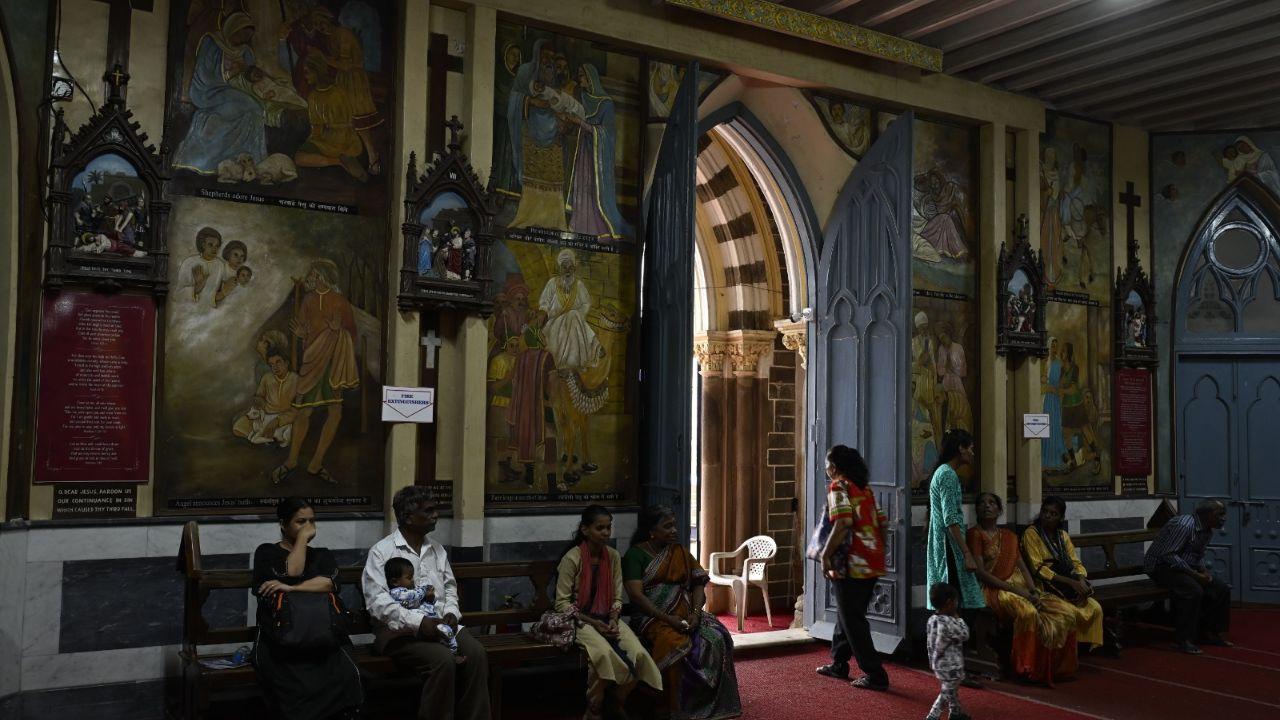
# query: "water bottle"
241,655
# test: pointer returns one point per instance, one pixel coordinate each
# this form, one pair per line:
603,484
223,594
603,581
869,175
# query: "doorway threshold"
771,639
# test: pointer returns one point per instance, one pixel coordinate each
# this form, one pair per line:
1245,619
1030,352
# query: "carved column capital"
795,336
711,349
748,347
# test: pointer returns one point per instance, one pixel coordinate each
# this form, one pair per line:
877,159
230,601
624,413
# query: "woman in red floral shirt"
853,558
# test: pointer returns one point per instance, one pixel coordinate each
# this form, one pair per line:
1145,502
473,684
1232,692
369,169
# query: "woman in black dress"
303,685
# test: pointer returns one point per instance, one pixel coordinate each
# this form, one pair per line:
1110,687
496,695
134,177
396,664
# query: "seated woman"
693,650
311,684
1044,626
1053,560
589,582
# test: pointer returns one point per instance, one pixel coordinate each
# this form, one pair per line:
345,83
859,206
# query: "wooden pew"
199,683
1132,587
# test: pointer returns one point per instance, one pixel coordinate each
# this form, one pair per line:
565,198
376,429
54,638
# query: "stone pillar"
1026,378
992,436
711,353
795,337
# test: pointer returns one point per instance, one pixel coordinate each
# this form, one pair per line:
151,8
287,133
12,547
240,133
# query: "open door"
666,310
859,347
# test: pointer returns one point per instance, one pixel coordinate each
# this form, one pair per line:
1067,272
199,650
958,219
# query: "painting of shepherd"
282,99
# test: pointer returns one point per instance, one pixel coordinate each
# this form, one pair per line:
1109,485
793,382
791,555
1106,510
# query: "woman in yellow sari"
1044,632
693,650
1054,561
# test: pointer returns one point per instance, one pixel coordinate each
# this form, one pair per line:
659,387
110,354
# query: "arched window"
1229,281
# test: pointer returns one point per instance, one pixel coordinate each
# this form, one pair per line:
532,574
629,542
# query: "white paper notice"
1035,425
408,404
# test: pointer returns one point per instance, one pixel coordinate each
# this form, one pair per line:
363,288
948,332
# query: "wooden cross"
455,127
119,25
439,64
1132,201
430,343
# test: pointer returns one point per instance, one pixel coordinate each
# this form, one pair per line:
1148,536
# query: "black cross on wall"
1132,201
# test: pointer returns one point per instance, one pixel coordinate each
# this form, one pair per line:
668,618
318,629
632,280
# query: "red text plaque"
96,357
1133,422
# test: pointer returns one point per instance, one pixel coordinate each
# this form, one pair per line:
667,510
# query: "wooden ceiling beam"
1146,39
821,7
1226,63
1038,33
1255,114
1224,96
988,25
937,17
1135,100
874,13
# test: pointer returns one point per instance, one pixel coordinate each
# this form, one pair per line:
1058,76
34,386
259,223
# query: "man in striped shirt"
1175,560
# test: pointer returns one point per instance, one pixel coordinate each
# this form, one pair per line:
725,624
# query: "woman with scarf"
693,650
1053,560
593,194
1044,626
589,583
229,121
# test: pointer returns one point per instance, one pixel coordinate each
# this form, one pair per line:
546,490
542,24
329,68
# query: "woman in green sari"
692,649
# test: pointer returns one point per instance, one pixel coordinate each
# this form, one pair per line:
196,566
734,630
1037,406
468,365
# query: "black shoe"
1187,647
866,683
835,670
1217,641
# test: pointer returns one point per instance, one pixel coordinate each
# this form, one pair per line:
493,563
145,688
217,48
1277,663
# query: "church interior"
535,256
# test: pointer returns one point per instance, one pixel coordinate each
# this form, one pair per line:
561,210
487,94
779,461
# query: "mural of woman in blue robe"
1052,448
593,196
229,121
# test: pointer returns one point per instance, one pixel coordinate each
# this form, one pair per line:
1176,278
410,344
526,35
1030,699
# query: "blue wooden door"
1208,442
1257,501
667,310
859,350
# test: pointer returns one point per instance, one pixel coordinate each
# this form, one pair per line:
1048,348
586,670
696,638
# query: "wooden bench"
1132,587
200,683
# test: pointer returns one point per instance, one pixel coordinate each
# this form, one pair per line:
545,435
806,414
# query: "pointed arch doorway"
1226,371
753,258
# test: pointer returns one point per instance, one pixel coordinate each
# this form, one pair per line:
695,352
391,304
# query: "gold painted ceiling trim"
808,26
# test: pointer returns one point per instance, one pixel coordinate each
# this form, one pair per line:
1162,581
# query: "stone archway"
751,278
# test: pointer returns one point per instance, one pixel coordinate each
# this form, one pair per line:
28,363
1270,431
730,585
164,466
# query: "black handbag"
307,621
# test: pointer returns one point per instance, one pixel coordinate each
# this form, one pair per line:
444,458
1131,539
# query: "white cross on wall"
431,342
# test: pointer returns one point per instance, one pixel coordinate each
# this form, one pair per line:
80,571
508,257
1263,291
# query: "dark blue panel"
136,602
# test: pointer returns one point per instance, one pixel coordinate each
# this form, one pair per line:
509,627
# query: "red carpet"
756,623
1150,681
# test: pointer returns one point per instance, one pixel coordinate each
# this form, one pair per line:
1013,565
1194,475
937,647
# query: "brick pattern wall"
786,576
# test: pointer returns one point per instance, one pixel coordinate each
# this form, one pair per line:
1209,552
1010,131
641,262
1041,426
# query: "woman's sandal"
839,672
865,683
323,474
280,474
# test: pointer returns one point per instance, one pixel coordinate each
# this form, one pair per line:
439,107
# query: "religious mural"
282,102
944,247
559,427
664,81
566,135
944,382
1075,205
272,359
1076,245
849,124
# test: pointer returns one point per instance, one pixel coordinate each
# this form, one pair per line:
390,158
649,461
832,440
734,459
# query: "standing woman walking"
948,558
852,559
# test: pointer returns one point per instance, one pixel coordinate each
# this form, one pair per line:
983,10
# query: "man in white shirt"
413,641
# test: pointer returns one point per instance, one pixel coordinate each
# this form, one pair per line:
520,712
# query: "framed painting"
1135,316
567,126
447,235
1020,300
283,103
107,207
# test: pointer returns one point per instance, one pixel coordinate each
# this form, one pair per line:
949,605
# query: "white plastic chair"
760,550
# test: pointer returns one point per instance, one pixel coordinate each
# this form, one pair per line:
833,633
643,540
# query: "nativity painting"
282,99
